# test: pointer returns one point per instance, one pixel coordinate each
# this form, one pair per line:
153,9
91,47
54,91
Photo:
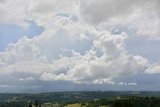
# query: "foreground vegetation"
82,99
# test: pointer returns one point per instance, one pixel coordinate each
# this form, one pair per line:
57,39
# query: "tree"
30,104
36,103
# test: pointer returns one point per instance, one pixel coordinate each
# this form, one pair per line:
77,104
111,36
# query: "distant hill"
75,98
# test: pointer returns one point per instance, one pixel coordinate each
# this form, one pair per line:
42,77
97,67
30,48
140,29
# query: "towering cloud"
78,44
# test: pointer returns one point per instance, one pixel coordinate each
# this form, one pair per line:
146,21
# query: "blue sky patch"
10,33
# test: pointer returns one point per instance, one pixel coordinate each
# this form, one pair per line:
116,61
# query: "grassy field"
79,105
104,106
74,105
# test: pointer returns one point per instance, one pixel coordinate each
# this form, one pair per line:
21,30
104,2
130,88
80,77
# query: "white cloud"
60,53
103,81
127,84
153,68
26,79
132,83
140,15
115,61
20,11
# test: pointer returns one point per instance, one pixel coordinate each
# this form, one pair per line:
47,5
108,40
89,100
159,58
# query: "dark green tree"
36,103
30,104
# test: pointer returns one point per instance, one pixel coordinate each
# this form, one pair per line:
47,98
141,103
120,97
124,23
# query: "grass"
104,106
73,105
79,105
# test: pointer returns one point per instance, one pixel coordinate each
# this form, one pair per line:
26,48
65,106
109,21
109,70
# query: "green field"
73,105
104,106
79,105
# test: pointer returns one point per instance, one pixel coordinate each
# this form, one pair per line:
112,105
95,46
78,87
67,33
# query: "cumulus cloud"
140,15
113,62
72,50
26,79
124,83
19,11
153,68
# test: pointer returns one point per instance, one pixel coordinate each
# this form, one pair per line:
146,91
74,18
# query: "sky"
79,45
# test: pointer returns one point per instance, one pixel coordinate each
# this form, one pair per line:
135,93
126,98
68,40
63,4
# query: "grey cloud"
140,15
96,11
